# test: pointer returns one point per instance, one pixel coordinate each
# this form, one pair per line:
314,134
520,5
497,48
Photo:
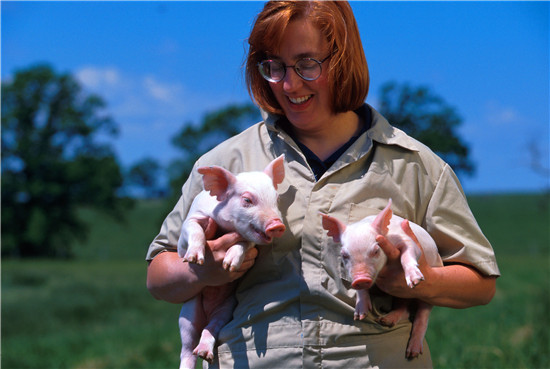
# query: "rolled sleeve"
455,229
167,239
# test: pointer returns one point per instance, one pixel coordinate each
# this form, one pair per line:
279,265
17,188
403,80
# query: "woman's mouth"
299,100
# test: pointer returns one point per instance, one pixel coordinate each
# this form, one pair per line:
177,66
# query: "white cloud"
148,109
134,97
97,78
161,91
498,114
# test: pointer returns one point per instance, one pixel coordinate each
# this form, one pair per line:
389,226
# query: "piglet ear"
334,227
382,221
276,170
217,181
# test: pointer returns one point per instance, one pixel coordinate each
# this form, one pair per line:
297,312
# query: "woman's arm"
172,280
456,285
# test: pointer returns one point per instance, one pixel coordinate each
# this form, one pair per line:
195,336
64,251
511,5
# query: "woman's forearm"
172,280
453,285
456,286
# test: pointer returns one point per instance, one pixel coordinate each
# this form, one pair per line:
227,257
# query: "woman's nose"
292,80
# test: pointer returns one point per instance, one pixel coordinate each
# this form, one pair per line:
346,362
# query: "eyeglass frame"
319,62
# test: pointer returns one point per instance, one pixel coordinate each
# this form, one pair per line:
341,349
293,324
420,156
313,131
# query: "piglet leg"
419,327
234,256
362,304
218,304
191,321
410,253
399,312
196,241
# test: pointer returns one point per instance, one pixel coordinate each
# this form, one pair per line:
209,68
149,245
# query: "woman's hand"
211,273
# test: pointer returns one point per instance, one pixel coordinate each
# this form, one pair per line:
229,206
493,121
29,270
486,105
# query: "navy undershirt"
319,166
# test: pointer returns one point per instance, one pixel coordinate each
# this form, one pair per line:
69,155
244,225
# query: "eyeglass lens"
274,71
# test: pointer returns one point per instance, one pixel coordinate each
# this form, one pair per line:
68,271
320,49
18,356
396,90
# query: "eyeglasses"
307,68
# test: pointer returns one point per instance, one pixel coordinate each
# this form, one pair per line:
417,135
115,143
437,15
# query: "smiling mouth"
299,100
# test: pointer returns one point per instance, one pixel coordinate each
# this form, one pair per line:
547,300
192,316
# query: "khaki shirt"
295,307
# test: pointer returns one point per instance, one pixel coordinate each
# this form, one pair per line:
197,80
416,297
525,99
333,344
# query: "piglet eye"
345,255
375,251
246,201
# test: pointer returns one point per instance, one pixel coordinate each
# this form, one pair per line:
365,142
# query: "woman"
307,71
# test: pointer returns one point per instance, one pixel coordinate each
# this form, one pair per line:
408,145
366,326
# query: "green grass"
92,312
512,331
95,312
127,240
84,315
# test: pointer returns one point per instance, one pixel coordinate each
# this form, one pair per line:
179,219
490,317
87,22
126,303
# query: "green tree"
52,162
428,118
194,140
145,175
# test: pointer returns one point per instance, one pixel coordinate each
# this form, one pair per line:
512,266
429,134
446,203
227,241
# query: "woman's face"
306,104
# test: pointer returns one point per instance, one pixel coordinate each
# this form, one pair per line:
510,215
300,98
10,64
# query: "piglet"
245,203
363,258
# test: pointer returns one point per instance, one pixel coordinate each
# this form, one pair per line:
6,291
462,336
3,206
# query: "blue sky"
161,64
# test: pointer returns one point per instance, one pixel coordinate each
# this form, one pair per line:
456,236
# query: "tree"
145,174
52,164
217,126
426,117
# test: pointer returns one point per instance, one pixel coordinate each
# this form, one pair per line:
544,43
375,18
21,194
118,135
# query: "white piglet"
363,258
245,203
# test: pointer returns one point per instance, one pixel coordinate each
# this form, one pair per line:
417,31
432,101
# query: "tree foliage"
52,163
428,118
217,126
145,175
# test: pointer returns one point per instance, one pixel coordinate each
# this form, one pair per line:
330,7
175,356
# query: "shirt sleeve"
455,230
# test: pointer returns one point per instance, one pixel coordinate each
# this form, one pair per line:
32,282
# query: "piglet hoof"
204,352
389,320
229,267
233,259
414,349
414,277
361,310
359,315
194,258
363,305
231,264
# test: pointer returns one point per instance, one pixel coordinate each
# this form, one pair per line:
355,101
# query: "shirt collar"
380,131
383,132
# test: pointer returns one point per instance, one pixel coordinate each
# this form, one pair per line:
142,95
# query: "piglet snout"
362,283
275,228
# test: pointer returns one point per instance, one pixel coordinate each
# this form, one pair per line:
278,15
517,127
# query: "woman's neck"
332,135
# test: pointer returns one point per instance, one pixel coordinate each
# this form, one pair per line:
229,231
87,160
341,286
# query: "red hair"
348,72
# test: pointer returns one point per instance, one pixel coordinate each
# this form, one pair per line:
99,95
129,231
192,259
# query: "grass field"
95,312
